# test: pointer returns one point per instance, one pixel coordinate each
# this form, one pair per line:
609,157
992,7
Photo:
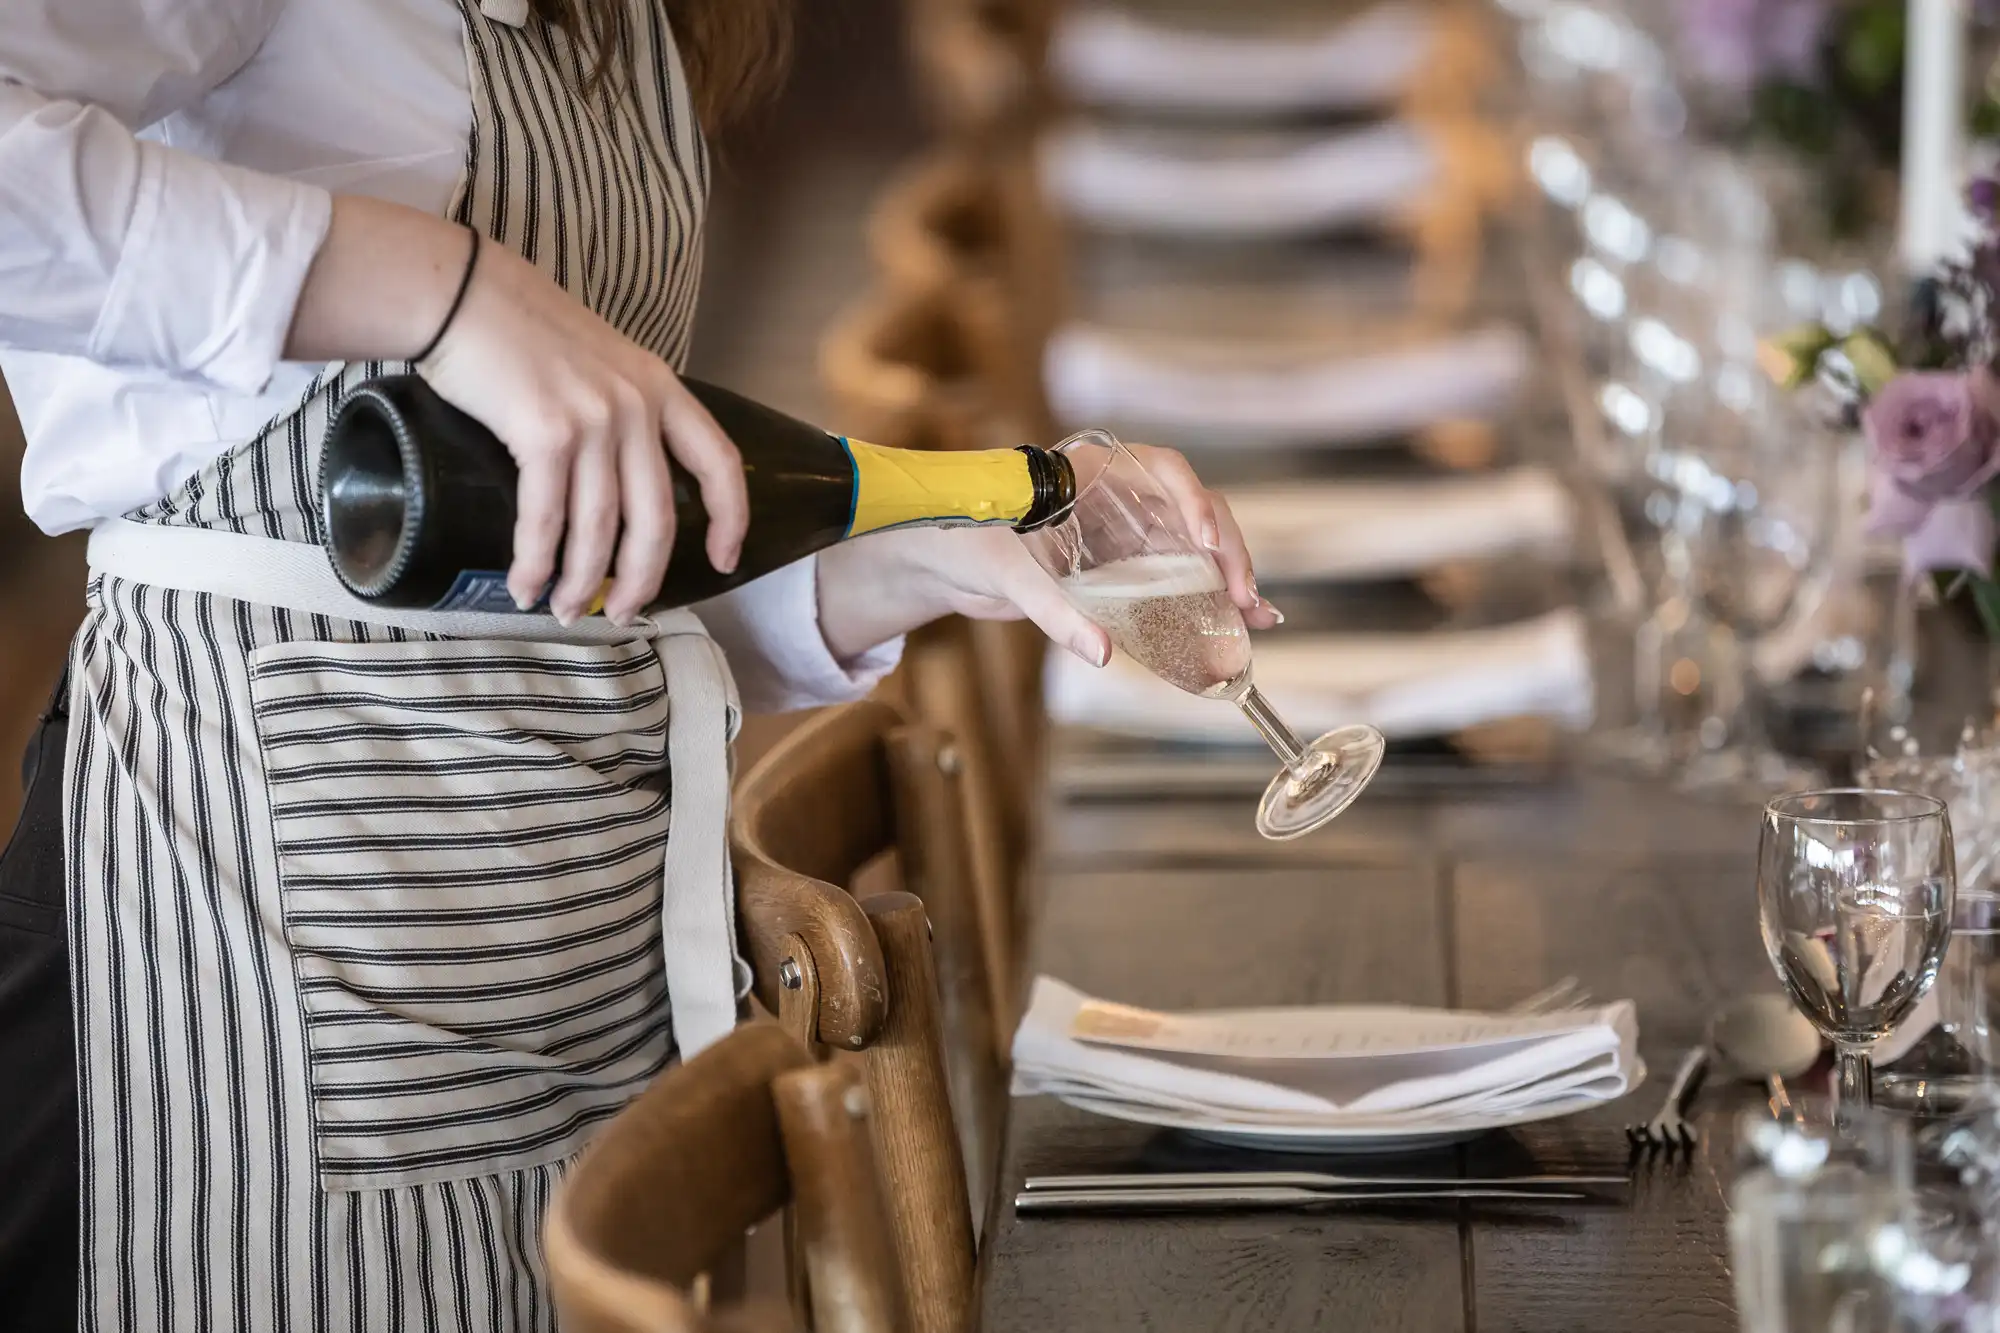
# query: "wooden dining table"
1430,891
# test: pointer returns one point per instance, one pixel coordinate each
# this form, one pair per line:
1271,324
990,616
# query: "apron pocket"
470,838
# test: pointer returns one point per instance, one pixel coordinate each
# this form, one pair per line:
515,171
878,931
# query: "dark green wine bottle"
417,497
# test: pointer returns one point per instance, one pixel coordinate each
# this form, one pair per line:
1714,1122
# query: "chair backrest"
917,368
963,679
975,224
980,63
867,975
666,1191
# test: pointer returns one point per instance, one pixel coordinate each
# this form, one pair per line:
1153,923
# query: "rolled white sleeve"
127,251
769,629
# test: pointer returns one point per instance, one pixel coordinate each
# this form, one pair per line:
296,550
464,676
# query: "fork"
1668,1131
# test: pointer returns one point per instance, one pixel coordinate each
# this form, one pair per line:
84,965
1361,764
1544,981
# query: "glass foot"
1336,767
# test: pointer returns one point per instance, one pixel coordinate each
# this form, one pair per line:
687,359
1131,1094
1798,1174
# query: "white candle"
1933,213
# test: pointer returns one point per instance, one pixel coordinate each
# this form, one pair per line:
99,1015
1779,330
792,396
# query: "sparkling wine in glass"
1854,898
1125,559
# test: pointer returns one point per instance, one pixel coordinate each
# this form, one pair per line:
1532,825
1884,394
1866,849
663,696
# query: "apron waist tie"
706,975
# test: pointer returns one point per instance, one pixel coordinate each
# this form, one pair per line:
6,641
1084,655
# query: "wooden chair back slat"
666,1192
943,678
867,768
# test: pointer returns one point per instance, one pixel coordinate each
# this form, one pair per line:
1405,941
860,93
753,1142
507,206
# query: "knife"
1197,1200
1306,1180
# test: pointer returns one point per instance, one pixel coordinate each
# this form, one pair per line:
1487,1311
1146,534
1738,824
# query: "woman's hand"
875,588
583,410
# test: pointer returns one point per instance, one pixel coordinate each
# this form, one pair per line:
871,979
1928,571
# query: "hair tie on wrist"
464,285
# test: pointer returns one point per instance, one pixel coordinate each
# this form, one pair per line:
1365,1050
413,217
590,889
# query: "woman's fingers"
710,457
646,504
1207,516
1173,474
1234,559
1019,580
591,419
594,509
540,514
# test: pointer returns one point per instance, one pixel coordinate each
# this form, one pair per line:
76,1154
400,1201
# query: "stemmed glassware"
1833,1228
1955,1063
1126,560
1854,898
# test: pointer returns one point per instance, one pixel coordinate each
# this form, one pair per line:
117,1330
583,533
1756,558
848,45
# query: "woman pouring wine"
366,916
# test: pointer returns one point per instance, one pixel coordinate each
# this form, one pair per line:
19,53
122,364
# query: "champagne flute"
1854,898
1125,559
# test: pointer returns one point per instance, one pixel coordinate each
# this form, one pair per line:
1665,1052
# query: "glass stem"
1273,729
1856,1085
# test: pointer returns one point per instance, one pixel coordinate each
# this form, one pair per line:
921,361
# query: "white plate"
1382,1136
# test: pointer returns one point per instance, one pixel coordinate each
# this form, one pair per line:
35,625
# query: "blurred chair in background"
979,64
973,227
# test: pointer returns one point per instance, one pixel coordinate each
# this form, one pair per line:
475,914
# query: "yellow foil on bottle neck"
901,488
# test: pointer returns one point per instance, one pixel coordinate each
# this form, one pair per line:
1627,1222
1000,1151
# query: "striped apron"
368,915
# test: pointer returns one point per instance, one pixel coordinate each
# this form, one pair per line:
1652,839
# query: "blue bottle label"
479,590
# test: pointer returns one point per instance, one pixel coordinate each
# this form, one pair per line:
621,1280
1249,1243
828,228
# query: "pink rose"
1931,439
1933,446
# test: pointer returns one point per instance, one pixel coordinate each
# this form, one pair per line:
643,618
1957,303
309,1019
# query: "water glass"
1854,899
1827,1231
1955,1058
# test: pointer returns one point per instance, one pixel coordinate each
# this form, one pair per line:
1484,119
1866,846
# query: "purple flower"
1735,44
1956,535
1982,196
1934,445
1789,44
1719,38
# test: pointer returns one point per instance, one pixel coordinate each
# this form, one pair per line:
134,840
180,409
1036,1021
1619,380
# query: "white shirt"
166,172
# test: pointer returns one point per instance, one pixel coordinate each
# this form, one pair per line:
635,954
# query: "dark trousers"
39,1183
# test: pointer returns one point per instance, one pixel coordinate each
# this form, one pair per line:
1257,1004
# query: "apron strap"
706,976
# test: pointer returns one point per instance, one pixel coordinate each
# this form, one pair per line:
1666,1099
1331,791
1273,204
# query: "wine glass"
1854,897
1956,1062
1125,559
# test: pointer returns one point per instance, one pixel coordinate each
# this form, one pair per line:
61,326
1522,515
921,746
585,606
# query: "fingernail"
1251,580
1210,536
1276,614
521,601
727,565
1099,654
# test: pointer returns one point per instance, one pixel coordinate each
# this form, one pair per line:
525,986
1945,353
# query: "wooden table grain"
1473,896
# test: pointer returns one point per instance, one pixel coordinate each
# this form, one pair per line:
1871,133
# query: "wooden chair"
918,368
973,224
913,367
865,975
666,1192
979,682
979,64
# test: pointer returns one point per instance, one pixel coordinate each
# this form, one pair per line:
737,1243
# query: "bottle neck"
1023,488
1055,488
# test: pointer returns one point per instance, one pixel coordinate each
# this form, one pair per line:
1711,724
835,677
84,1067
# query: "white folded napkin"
1112,57
1095,375
1226,185
1407,685
1298,531
1329,1065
